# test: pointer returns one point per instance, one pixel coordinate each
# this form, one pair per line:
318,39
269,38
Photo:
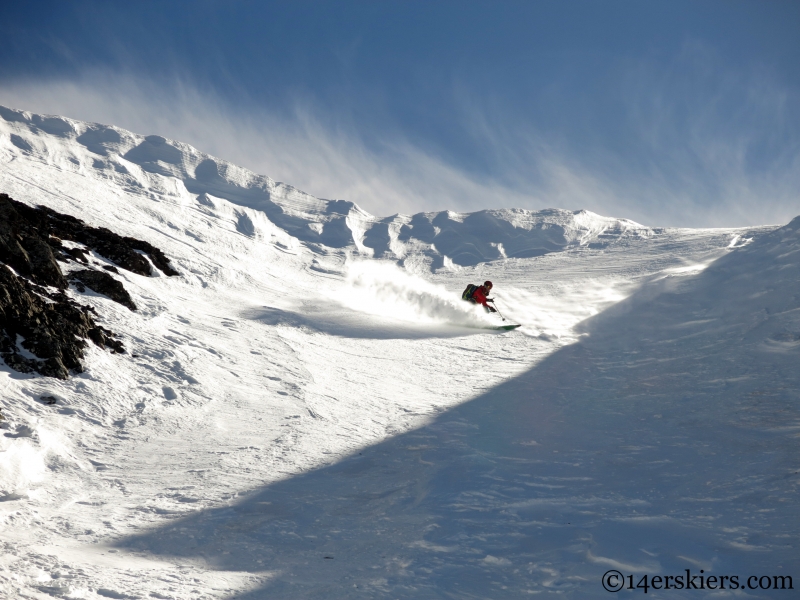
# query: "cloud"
689,158
300,146
697,144
723,143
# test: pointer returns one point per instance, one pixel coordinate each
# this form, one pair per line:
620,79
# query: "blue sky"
680,113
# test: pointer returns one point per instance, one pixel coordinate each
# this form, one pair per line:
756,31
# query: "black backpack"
470,289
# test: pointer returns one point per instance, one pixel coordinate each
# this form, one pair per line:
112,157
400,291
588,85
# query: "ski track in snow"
300,421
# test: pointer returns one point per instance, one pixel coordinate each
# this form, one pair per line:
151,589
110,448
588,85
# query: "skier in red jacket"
481,296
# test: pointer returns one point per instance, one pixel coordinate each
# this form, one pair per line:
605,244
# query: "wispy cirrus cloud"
700,146
301,147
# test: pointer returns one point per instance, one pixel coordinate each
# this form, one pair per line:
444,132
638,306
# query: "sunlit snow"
310,411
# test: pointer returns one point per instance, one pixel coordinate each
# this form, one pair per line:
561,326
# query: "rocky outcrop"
24,244
102,283
42,329
39,227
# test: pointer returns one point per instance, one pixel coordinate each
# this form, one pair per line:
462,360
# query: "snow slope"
310,386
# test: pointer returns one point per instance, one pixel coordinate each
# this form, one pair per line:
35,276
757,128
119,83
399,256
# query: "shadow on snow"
352,324
665,440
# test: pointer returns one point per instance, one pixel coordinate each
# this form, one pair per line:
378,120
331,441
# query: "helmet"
487,284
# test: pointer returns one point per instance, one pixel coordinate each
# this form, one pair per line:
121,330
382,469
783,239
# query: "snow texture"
309,411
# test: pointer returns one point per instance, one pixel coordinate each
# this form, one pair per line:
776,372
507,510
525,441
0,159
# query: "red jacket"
479,295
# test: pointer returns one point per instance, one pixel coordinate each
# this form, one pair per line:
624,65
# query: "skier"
481,296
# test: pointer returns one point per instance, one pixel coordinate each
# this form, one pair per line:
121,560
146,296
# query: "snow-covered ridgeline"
446,237
282,402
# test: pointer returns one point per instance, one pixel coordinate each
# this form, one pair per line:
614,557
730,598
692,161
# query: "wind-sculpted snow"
307,409
432,239
472,238
664,441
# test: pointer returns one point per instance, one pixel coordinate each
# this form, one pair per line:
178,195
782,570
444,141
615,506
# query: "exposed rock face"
24,246
52,328
105,284
41,227
41,328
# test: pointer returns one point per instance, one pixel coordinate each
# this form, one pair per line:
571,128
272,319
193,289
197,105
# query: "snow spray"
386,290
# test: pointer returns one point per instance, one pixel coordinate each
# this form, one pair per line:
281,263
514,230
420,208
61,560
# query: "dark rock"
49,400
50,326
51,331
111,268
103,338
77,254
23,246
105,284
51,227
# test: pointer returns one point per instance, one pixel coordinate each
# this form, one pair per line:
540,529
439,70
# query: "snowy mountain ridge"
293,418
145,164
